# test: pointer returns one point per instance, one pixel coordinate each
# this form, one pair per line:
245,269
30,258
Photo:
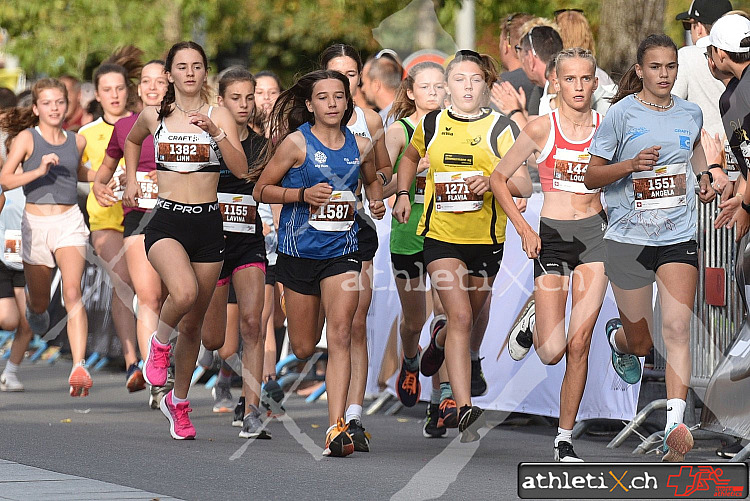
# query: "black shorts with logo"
630,266
569,243
303,275
481,260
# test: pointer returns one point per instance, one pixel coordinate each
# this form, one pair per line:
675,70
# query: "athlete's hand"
706,193
104,194
377,209
478,184
728,208
48,161
646,159
402,209
521,204
423,165
113,183
153,175
132,194
741,223
318,195
205,123
713,147
531,243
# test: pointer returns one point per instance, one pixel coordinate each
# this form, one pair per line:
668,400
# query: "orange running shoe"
338,441
80,381
448,414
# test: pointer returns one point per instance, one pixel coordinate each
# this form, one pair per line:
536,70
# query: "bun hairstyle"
125,61
575,53
14,120
290,111
402,105
485,62
631,83
166,104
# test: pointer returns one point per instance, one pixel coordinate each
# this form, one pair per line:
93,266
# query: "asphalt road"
113,437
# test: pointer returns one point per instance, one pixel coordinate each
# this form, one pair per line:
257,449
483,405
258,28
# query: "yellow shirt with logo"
97,135
457,145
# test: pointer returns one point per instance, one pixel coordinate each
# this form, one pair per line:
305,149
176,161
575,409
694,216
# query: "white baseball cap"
727,34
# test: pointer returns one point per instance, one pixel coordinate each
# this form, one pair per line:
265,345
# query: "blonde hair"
738,12
533,23
575,30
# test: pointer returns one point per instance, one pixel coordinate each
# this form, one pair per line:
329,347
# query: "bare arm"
395,142
373,184
408,171
84,173
20,150
102,191
142,127
382,160
600,173
231,148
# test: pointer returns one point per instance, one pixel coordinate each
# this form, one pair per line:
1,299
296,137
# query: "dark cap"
705,11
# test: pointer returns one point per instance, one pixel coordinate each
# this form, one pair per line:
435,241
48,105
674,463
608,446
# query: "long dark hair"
631,83
166,104
402,105
290,111
125,61
340,50
14,120
235,74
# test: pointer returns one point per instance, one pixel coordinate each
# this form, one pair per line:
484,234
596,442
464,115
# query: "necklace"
462,115
187,112
576,123
659,106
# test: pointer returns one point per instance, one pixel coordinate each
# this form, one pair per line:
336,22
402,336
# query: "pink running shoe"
180,426
157,362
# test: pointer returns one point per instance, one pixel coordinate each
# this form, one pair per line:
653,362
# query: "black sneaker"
564,453
478,383
431,428
408,386
433,357
471,419
360,438
239,413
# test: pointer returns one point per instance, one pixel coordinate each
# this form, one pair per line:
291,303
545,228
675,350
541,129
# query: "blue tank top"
331,231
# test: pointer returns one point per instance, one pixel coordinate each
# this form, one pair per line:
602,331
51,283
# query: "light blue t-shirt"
628,128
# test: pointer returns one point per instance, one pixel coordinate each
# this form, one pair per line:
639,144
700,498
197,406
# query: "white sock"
10,368
156,339
612,342
176,400
675,412
354,411
563,435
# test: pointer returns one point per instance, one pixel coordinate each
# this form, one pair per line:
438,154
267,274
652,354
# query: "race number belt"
664,187
149,190
733,166
238,212
570,169
337,214
12,253
184,157
452,194
420,185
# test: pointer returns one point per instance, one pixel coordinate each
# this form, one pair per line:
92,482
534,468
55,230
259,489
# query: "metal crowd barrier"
718,313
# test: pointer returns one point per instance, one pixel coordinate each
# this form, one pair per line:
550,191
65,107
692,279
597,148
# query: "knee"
250,328
640,347
578,349
461,320
338,337
71,294
302,349
550,355
150,303
676,332
183,299
412,325
209,344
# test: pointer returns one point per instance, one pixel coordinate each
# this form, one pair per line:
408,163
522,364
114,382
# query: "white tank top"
359,128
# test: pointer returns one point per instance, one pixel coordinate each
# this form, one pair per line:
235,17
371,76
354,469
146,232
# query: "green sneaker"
628,367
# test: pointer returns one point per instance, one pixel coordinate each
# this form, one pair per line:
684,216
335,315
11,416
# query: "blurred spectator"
694,80
24,99
381,78
8,98
575,32
74,115
536,49
510,36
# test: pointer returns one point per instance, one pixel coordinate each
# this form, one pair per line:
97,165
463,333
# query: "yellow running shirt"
460,148
97,135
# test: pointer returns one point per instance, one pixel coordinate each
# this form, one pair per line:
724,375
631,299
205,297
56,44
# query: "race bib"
184,156
733,166
420,185
570,169
662,188
238,212
149,190
12,253
336,215
452,194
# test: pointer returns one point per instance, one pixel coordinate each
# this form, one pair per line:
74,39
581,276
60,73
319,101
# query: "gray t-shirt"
628,128
696,84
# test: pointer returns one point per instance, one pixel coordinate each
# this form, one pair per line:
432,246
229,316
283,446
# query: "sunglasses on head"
519,49
388,53
560,11
508,21
468,53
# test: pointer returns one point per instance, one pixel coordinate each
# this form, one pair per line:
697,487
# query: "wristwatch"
707,173
746,207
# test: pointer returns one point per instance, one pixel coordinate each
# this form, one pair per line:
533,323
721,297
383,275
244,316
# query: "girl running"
313,169
184,240
146,282
368,124
115,91
52,229
463,224
244,259
422,91
267,90
640,156
568,251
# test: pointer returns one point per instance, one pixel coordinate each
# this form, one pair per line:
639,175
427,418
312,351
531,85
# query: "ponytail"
169,98
125,61
631,83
